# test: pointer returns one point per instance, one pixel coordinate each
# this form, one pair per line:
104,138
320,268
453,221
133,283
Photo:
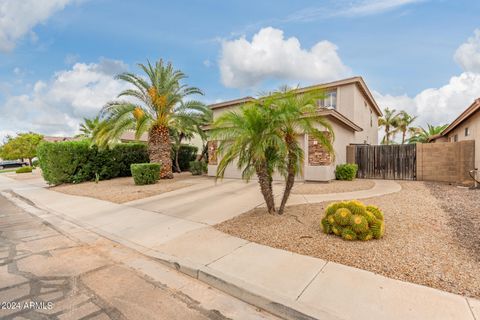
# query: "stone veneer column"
212,153
317,154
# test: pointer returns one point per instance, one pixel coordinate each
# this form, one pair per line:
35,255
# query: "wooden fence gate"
395,162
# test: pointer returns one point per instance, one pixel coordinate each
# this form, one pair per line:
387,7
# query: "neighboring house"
465,127
350,108
58,139
129,136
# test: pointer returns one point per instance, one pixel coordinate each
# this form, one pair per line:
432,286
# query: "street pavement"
46,274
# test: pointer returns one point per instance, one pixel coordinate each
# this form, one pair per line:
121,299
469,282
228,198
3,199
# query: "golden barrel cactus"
353,220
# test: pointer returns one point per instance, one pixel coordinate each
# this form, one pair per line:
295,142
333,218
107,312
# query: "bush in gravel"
353,220
78,161
145,173
25,169
197,168
347,171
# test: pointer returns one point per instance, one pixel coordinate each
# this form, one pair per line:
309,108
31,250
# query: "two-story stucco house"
351,110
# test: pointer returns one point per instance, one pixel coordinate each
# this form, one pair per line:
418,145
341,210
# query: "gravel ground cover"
333,186
463,208
120,190
422,244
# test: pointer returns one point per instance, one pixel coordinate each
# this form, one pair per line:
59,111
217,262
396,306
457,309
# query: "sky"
58,58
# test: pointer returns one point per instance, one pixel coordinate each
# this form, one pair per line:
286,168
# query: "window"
371,118
455,138
467,132
330,100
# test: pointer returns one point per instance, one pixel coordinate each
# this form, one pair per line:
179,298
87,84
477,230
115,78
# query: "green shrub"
77,161
25,169
35,163
186,154
145,173
347,171
198,168
353,220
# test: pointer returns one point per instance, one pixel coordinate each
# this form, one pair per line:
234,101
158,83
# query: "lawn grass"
8,170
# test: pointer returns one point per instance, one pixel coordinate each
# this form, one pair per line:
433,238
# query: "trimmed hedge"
77,161
145,173
186,154
346,171
198,168
25,169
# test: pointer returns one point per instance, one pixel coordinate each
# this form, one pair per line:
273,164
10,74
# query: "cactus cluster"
352,220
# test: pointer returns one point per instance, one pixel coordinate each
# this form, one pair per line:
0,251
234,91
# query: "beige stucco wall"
473,125
365,117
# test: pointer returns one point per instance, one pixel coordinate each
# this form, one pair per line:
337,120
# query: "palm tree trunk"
159,150
403,136
177,152
290,181
265,182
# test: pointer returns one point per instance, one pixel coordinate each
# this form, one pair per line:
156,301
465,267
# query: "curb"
258,297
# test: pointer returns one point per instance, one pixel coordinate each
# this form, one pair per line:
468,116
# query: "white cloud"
468,54
270,56
56,107
348,8
442,105
437,105
19,17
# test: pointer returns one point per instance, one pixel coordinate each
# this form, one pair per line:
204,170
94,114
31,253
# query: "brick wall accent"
317,155
446,161
212,153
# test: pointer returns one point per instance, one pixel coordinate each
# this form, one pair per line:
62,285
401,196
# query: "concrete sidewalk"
287,284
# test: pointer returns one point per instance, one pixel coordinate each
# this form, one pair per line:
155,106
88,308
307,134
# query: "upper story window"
371,118
455,138
467,132
330,100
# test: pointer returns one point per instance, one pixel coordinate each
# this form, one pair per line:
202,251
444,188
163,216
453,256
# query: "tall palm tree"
159,101
248,138
404,121
295,115
390,122
423,135
88,127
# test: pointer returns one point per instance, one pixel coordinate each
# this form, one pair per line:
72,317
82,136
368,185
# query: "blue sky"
58,57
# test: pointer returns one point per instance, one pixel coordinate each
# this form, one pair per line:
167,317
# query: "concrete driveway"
206,202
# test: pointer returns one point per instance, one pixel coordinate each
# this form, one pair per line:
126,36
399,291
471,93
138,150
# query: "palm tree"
88,127
404,120
422,136
159,104
295,115
248,138
390,122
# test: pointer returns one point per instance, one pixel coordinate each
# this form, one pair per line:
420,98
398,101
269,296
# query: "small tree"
23,146
248,138
390,123
422,135
404,121
295,115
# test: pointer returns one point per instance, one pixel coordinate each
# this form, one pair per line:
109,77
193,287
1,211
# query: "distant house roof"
474,107
58,139
128,136
356,80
